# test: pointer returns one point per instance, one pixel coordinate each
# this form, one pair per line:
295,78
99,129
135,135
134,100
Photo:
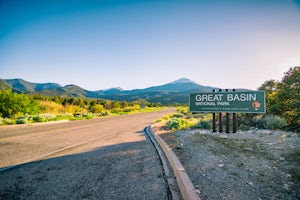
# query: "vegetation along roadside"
22,108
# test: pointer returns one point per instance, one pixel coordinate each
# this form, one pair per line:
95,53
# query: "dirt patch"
257,164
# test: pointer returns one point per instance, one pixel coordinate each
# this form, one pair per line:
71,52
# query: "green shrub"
273,122
183,110
178,115
88,116
198,116
22,120
177,123
244,127
104,113
77,115
98,108
7,121
155,121
259,122
166,117
39,119
61,117
203,125
44,117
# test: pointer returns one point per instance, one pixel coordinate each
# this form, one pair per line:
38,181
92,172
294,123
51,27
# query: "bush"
39,119
98,108
177,123
8,121
61,117
273,122
77,115
178,115
183,110
88,116
158,120
244,127
131,108
198,116
203,125
22,120
51,107
259,122
44,117
105,113
166,117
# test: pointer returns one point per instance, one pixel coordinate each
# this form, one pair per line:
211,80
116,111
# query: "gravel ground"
257,164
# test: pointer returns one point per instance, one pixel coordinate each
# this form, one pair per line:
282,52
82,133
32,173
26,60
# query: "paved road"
107,158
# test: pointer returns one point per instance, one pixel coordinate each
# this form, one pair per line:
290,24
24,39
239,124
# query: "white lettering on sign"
205,104
241,97
209,97
223,104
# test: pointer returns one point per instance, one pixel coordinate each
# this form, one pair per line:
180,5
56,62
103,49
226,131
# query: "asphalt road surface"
108,158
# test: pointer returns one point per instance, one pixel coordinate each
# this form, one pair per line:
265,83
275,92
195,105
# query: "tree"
12,104
97,108
116,105
283,98
288,97
107,104
271,89
124,104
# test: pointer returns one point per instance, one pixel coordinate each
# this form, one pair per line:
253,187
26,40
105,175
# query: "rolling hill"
174,92
21,85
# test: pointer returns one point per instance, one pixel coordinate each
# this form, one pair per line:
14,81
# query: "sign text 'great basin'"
231,102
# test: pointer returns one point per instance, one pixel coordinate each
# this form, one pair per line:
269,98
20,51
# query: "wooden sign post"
214,119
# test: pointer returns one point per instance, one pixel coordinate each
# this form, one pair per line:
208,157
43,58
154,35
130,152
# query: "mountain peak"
182,80
114,88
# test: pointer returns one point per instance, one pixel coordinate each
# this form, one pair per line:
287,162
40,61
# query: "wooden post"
220,119
234,123
227,122
214,119
220,123
227,119
233,120
214,123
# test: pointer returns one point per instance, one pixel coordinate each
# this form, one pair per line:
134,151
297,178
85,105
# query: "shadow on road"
122,171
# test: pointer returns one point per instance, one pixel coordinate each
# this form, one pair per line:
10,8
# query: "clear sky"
99,44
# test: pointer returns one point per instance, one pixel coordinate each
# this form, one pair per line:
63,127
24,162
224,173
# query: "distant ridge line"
170,93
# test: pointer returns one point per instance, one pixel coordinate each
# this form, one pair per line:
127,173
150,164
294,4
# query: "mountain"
69,91
173,92
182,80
183,85
4,85
21,85
110,91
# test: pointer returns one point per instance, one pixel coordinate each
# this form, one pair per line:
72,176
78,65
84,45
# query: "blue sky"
137,44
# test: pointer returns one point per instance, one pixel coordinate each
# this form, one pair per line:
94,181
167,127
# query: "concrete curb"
186,187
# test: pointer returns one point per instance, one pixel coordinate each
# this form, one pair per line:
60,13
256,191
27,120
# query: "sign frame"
228,102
